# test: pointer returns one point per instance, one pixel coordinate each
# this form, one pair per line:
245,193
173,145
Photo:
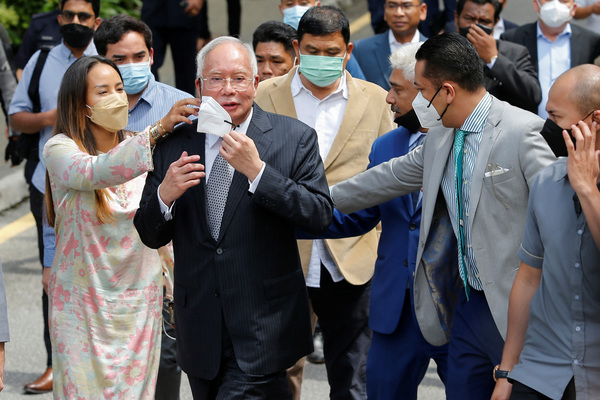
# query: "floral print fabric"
105,286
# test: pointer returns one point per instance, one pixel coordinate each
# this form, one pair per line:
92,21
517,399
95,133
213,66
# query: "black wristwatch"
499,374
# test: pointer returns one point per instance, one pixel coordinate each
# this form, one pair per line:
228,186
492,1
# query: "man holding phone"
508,71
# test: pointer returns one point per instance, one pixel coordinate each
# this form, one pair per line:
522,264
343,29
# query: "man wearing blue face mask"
127,41
348,115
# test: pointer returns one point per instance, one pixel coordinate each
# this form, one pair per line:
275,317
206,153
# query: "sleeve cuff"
166,211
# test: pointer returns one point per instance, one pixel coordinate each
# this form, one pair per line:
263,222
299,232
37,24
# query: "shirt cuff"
166,211
254,185
49,240
493,62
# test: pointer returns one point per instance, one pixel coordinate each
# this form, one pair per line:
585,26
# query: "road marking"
360,23
14,228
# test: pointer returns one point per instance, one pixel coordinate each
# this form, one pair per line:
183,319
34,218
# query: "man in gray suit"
460,299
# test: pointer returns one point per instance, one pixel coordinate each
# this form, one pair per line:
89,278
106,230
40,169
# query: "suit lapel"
283,102
401,147
355,109
530,41
381,53
198,193
576,53
259,125
490,132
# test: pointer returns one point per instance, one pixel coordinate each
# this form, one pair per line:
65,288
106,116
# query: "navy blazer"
250,279
585,44
372,55
397,250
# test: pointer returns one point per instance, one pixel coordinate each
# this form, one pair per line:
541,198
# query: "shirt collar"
243,128
148,94
475,122
67,54
540,34
393,42
297,86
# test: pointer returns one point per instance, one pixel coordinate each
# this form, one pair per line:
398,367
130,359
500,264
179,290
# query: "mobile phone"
184,4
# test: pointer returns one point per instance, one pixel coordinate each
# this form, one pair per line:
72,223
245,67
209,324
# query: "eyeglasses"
217,83
405,7
69,16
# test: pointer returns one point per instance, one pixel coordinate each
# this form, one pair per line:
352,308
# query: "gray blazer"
510,141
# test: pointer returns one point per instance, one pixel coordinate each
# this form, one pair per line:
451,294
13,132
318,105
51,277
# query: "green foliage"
15,15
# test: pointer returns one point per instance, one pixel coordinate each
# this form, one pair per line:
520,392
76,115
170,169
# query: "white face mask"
212,118
554,13
426,112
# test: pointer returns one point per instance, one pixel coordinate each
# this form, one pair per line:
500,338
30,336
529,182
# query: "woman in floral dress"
105,286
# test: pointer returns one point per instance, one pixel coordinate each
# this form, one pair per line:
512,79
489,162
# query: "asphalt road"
25,354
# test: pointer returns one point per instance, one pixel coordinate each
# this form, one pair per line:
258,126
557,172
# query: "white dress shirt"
554,58
212,144
395,45
325,116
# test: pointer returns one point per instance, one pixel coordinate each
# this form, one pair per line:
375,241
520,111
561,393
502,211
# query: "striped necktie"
459,142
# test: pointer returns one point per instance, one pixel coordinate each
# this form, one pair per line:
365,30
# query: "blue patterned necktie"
459,142
217,189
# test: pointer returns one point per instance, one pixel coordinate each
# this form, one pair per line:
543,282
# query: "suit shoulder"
508,47
371,40
371,89
390,137
590,35
517,34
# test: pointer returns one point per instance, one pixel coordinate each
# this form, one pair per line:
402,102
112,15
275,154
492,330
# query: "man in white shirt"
348,115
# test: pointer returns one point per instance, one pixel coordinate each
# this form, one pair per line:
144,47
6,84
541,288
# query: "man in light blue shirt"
78,21
127,41
554,44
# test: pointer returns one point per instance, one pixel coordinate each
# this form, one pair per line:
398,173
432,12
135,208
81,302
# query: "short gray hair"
404,59
202,54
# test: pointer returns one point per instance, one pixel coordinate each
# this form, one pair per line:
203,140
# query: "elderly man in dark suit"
241,306
554,44
507,68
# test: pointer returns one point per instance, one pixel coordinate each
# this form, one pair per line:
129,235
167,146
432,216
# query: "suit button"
412,226
219,251
406,263
216,294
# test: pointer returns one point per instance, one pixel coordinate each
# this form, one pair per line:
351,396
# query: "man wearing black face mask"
508,71
570,99
78,20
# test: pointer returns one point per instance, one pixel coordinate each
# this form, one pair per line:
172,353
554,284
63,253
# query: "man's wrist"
500,373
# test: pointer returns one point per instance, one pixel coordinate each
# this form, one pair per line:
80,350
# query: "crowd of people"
428,193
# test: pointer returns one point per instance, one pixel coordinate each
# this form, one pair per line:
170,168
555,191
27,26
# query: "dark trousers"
475,348
397,362
343,313
183,50
168,381
36,205
522,392
232,383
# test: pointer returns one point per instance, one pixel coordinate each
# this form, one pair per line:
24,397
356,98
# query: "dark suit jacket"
372,55
398,243
585,44
249,280
513,78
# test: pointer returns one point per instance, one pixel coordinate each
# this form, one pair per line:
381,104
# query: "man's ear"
198,86
450,92
596,116
151,56
296,49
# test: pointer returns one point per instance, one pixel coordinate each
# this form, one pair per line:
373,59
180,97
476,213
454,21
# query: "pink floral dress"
105,286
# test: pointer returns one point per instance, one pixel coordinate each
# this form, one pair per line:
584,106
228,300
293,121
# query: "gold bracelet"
154,133
166,132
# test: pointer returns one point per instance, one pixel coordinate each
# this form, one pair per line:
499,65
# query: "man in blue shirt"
552,345
78,20
127,41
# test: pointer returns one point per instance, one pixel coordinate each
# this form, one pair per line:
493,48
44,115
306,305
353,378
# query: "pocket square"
494,170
